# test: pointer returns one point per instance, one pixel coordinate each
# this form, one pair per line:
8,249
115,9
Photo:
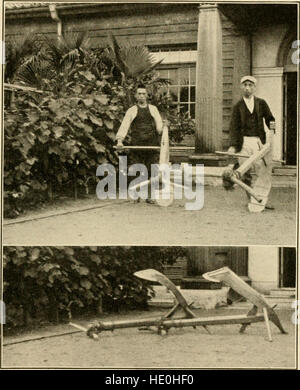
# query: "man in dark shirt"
145,125
248,134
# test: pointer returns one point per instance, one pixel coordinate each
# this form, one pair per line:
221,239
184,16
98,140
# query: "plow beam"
247,188
252,159
154,147
167,324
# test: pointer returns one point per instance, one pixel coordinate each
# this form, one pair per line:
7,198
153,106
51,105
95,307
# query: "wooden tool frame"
164,323
237,174
227,276
164,161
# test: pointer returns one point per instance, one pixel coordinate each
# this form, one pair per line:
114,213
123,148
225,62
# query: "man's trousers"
262,169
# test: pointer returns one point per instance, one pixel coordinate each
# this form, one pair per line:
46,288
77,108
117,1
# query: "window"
180,68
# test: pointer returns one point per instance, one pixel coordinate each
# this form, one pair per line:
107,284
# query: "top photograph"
150,123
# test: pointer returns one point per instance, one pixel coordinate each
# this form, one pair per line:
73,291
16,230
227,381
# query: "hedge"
56,141
52,283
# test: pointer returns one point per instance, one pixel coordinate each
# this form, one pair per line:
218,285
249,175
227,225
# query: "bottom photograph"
149,307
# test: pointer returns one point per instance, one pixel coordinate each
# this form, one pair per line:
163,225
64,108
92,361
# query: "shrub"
51,282
54,141
60,139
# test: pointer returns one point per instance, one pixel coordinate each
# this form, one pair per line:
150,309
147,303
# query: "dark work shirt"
143,130
250,128
243,122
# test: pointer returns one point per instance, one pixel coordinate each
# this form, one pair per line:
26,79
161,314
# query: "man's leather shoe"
150,201
269,207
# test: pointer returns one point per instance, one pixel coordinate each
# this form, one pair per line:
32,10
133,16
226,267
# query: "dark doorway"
205,259
288,267
290,114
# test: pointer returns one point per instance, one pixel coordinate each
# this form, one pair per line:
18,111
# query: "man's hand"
272,126
231,150
119,145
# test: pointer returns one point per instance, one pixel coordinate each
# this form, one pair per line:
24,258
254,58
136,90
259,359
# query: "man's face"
141,95
248,88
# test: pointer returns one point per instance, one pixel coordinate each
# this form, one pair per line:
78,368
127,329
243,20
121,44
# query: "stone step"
166,303
199,284
209,299
188,155
285,171
284,174
279,301
280,298
284,181
206,299
213,177
283,292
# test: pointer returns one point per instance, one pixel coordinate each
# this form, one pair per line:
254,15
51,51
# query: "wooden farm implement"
168,321
165,176
231,176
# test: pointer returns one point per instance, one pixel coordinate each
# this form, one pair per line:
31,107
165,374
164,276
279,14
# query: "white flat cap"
249,78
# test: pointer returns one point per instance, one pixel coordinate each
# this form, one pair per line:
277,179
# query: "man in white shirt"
145,125
143,119
247,135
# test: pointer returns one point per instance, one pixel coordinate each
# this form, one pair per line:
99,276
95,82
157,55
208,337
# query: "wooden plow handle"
232,176
232,280
156,276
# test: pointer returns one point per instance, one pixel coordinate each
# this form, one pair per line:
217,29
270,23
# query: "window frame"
189,103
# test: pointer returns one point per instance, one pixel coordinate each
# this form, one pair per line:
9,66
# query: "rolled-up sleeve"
157,118
125,125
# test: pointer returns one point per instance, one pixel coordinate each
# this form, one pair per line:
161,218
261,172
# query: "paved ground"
181,348
224,220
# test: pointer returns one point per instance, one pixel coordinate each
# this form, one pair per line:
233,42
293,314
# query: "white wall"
263,267
270,88
266,45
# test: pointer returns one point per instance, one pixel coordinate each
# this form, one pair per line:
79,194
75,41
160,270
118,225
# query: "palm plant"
135,64
19,52
53,61
35,73
62,53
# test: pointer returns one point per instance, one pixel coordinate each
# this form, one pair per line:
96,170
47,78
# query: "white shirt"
249,103
131,113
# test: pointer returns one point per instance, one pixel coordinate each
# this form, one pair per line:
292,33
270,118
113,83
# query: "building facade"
206,49
265,268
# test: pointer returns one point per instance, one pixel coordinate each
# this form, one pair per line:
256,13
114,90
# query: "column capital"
268,72
208,7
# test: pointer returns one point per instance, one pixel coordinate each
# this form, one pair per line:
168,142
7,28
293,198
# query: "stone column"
209,80
263,267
